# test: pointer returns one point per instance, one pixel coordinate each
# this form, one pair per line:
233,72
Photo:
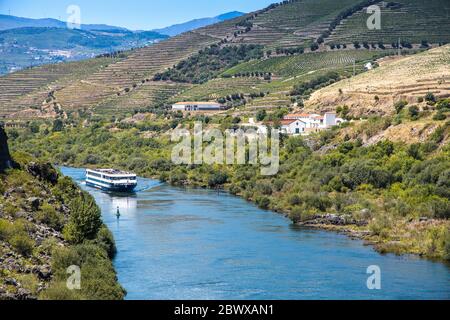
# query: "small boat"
111,180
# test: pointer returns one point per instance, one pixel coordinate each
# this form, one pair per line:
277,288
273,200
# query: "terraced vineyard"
286,25
300,64
412,21
91,83
403,79
293,23
29,88
130,74
221,87
122,84
153,93
287,71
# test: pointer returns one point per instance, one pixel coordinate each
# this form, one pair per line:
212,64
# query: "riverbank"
391,188
399,243
406,236
197,243
47,227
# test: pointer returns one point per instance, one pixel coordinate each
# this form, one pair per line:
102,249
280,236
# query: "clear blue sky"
132,14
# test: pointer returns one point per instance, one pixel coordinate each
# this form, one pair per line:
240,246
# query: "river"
176,243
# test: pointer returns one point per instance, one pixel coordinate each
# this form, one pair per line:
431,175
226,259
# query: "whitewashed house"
197,106
305,123
293,127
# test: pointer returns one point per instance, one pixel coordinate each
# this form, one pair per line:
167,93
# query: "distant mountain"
12,22
31,46
28,42
197,23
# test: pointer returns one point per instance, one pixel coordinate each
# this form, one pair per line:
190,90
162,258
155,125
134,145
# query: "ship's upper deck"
111,173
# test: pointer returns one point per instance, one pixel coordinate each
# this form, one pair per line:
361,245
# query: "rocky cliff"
5,157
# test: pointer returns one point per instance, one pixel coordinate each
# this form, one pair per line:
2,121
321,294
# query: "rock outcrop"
5,157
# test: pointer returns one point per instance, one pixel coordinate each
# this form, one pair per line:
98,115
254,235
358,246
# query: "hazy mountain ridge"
197,23
26,42
31,46
13,22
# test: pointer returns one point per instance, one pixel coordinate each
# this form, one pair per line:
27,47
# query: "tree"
58,125
314,47
261,115
413,112
400,105
84,221
217,179
34,127
429,97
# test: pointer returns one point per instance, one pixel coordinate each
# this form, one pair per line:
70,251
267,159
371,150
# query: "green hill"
410,20
284,32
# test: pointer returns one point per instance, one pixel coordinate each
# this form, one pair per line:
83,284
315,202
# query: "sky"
131,14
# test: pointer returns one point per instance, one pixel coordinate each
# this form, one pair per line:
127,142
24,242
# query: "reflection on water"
195,244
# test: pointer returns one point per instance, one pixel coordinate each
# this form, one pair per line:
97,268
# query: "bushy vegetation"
209,62
98,278
29,221
16,233
307,87
91,250
84,221
383,185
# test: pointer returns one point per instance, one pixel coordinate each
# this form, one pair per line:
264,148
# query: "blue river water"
176,243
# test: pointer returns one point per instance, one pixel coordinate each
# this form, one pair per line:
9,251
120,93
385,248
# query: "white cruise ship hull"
111,180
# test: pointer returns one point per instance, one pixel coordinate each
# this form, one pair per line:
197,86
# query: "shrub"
105,240
439,116
294,200
400,105
98,278
50,217
22,243
6,229
443,105
279,184
261,115
447,245
217,179
380,224
84,221
265,189
58,125
177,178
429,97
263,202
413,112
440,207
234,189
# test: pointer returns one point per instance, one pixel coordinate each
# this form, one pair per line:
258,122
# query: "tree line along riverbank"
394,195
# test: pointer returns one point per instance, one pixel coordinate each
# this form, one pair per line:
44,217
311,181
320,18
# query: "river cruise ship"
111,180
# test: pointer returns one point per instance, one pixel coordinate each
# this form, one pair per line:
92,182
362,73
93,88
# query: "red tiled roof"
297,115
289,121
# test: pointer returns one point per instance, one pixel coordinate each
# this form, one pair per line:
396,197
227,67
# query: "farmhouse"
293,126
197,106
305,123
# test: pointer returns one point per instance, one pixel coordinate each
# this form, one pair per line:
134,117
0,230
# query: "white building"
293,127
305,123
196,106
